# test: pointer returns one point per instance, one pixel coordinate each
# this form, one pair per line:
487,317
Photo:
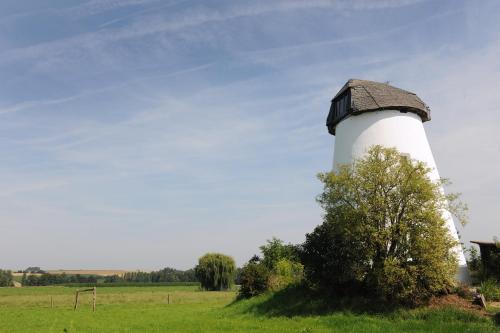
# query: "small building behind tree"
490,259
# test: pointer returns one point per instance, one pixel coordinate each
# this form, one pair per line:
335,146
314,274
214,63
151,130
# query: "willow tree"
215,271
383,229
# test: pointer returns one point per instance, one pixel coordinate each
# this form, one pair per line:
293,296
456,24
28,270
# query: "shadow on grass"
301,301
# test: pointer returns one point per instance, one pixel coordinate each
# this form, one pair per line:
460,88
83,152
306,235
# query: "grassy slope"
143,309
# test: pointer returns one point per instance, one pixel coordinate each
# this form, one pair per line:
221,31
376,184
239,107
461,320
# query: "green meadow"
147,309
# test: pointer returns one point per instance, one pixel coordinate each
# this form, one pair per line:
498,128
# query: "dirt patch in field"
457,302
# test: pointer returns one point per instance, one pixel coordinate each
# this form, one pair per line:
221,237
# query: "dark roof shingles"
370,96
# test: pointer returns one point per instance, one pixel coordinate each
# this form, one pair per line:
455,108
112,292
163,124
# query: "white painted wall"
390,128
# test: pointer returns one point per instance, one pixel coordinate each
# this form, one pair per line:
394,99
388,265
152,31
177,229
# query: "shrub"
383,229
285,273
215,271
279,268
276,250
282,261
254,278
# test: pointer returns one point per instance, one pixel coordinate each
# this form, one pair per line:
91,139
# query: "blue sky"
144,133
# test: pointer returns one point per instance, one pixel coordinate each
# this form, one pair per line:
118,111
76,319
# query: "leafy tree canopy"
384,229
276,250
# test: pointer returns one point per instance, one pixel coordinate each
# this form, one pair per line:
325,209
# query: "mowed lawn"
145,309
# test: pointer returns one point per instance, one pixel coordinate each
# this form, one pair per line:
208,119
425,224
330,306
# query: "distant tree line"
33,270
167,274
48,279
164,275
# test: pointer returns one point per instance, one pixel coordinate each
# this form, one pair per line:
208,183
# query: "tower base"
462,276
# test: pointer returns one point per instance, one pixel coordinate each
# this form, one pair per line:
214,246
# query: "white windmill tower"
366,113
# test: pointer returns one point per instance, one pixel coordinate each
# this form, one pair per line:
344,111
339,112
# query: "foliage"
276,250
474,262
5,278
286,272
215,271
282,261
383,229
253,278
278,268
490,289
329,260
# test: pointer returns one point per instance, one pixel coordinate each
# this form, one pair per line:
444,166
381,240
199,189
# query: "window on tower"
341,106
339,109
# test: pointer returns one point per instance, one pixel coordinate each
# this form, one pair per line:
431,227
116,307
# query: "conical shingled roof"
365,96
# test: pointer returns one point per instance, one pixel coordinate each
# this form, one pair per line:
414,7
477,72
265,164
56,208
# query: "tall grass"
490,289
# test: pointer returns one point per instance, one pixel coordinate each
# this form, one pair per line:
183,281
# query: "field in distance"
187,309
99,272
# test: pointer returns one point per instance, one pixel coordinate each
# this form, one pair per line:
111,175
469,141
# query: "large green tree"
383,229
216,271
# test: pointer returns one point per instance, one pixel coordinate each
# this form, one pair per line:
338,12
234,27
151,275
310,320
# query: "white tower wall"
391,128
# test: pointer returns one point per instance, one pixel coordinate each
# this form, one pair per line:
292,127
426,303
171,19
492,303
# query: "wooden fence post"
76,299
51,302
94,296
94,292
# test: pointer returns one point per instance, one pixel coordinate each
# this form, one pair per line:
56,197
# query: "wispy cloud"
94,7
135,14
159,24
36,103
32,186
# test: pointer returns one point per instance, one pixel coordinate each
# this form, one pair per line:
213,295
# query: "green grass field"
145,309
